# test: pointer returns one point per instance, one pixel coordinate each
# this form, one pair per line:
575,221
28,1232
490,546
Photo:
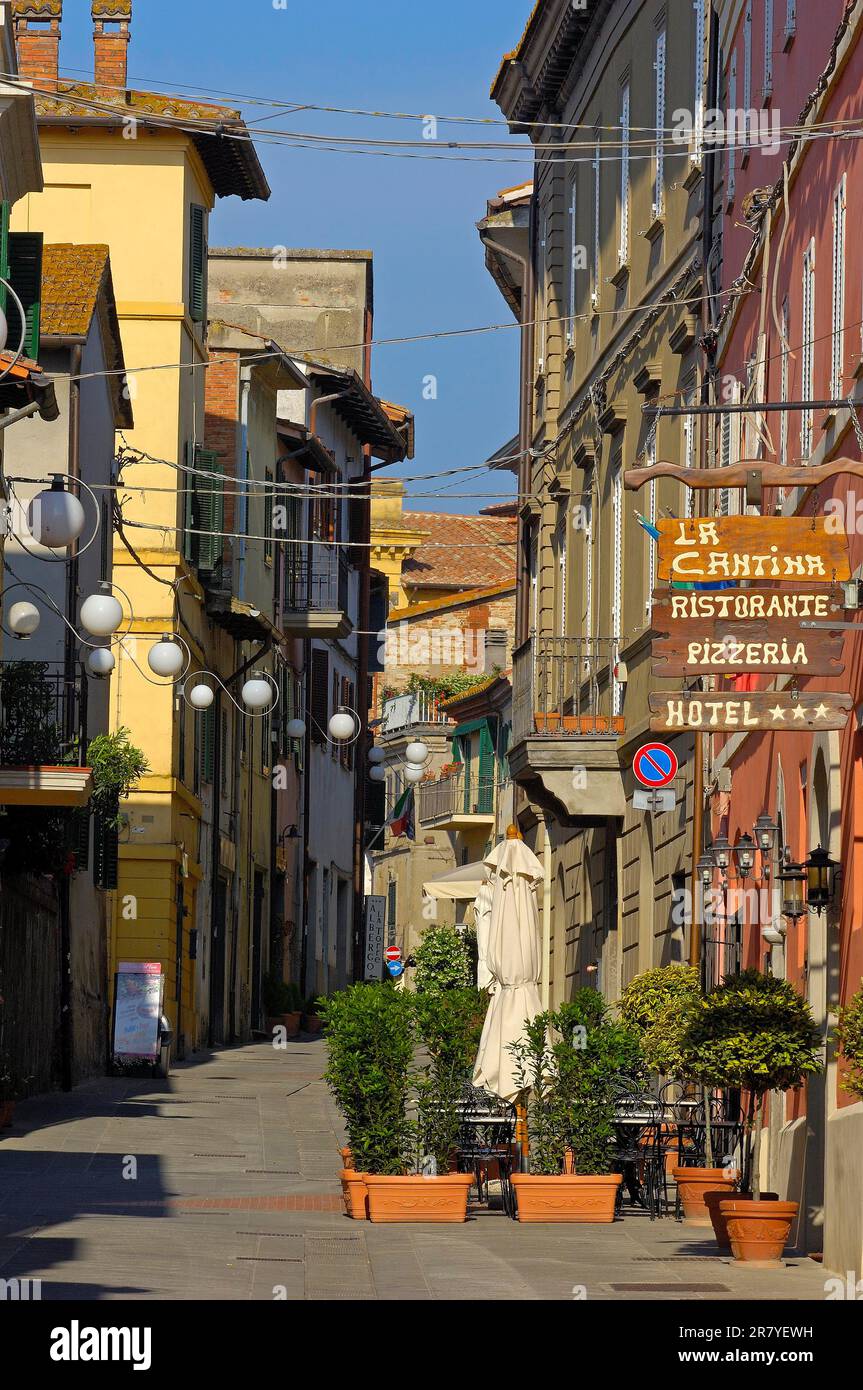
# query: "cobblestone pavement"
222,1183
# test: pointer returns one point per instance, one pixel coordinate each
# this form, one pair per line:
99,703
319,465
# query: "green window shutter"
106,849
485,790
25,277
210,510
208,742
198,265
190,541
4,249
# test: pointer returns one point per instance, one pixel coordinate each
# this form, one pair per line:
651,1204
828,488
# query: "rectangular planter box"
566,1197
426,1200
579,723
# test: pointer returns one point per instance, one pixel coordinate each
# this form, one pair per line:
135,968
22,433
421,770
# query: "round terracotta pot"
354,1193
758,1231
347,1158
312,1024
719,1220
692,1183
7,1113
427,1200
568,1197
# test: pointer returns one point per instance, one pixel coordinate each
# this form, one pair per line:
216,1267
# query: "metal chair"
640,1117
487,1139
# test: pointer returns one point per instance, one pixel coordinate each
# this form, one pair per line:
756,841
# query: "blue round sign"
396,968
655,765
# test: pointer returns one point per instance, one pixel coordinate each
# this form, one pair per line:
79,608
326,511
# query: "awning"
459,885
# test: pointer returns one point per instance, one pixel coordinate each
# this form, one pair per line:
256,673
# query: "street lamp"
722,852
765,833
55,517
343,726
820,879
792,878
705,868
24,619
744,854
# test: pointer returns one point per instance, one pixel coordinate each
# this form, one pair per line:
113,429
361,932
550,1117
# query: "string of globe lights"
55,520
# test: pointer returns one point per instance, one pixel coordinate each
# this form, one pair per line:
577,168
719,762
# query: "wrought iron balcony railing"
565,687
316,578
406,711
43,716
455,797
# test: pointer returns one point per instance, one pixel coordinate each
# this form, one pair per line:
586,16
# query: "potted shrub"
449,1026
443,961
571,1060
312,1019
283,1005
372,1034
754,1033
849,1036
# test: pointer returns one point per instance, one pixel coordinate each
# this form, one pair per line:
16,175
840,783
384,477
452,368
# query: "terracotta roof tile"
468,551
72,277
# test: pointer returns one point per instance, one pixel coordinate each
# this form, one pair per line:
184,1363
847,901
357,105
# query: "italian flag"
402,818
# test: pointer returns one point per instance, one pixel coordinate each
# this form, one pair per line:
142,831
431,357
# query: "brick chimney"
37,34
111,21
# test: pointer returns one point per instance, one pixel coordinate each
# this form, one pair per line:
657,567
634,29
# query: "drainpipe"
245,387
305,924
545,986
525,421
69,722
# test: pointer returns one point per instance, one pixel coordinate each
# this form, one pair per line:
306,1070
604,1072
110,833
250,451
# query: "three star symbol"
821,711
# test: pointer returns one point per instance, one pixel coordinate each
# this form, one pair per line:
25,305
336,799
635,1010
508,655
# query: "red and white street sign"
655,765
392,953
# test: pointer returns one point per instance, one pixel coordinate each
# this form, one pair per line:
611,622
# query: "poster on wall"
139,989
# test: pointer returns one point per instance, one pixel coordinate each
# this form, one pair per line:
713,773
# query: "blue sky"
417,217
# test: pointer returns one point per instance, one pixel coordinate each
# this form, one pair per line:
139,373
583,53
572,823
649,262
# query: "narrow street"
237,1197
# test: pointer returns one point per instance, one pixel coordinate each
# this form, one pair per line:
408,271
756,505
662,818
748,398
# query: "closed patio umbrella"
514,959
482,922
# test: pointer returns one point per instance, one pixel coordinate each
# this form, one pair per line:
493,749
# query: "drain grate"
272,1235
236,1097
275,1172
673,1259
669,1288
218,1155
269,1259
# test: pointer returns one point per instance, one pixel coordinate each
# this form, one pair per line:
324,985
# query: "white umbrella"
459,885
482,921
513,955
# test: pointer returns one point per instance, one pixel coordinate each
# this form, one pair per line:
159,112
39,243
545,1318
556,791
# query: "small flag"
402,819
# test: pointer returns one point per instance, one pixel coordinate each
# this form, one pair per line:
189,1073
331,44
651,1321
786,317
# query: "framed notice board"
139,991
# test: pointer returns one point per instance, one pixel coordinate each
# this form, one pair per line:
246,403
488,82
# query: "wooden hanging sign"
672,606
780,549
783,711
695,647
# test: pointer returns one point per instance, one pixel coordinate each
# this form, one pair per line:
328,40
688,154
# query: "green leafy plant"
279,996
573,1060
657,1005
754,1033
449,1025
118,767
849,1035
443,961
370,1035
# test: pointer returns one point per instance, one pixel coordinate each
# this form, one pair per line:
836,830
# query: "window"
690,449
588,565
573,263
223,752
747,57
731,153
21,258
559,547
838,335
790,19
768,48
807,340
597,258
204,509
320,694
783,386
651,517
698,98
208,743
623,247
495,649
542,296
181,738
659,168
617,561
392,904
729,444
198,264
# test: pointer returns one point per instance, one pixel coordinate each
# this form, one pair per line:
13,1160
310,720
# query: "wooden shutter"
81,837
485,788
25,277
106,848
210,510
208,743
320,695
4,251
198,265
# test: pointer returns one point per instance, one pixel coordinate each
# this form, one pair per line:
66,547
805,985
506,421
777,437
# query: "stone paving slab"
237,1197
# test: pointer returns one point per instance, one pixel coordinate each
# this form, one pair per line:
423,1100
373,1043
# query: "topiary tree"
849,1036
755,1033
449,1024
370,1044
572,1061
657,1006
443,961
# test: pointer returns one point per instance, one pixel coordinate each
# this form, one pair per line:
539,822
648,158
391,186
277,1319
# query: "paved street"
237,1197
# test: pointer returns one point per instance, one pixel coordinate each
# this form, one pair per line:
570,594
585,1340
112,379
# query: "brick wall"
221,421
452,639
38,48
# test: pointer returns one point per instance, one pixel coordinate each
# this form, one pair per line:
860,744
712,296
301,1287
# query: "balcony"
565,734
408,711
43,736
457,802
316,587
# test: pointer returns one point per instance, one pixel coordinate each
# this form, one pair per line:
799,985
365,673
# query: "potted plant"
849,1035
312,1020
372,1035
443,961
754,1033
449,1026
283,1004
571,1061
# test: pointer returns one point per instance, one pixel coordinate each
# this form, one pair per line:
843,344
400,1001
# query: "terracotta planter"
290,1023
347,1159
578,723
7,1113
566,1197
354,1193
719,1220
427,1200
692,1183
312,1024
758,1231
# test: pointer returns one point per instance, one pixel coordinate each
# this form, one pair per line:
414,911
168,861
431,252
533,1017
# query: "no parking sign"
655,765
